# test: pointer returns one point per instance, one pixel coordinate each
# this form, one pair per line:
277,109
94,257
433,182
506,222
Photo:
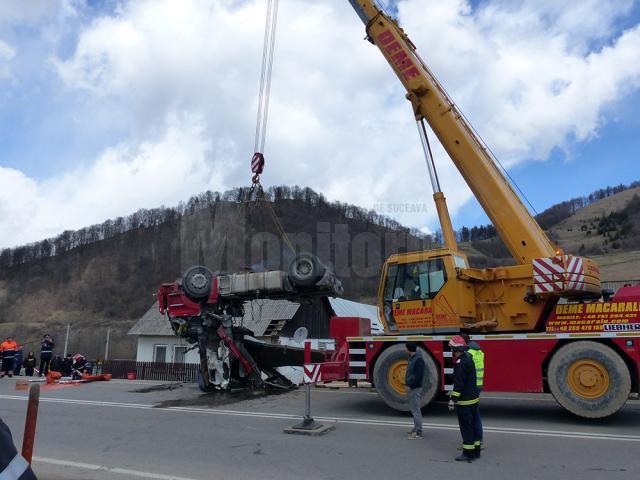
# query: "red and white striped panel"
548,274
312,373
575,273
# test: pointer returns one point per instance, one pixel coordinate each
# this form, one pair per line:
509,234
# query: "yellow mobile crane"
494,299
543,323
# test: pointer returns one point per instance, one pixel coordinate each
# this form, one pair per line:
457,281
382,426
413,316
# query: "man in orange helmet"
465,398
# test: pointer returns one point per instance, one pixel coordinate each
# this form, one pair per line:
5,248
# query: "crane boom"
516,226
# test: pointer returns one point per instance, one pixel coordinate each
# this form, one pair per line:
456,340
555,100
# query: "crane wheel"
589,379
388,377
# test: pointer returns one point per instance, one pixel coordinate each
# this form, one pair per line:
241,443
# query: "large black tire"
305,270
589,379
197,283
388,363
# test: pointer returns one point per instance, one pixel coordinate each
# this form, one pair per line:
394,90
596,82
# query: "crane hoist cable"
269,42
256,192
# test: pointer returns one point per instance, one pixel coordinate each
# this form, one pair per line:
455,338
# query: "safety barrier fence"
616,284
171,372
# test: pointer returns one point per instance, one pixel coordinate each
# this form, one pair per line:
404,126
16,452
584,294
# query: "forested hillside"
106,275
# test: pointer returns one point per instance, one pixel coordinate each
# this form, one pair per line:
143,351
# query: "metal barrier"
172,372
616,284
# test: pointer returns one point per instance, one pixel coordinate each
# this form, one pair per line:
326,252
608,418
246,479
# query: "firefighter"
465,399
12,465
478,360
78,366
8,349
46,352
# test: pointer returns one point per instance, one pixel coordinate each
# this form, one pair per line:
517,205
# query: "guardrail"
616,284
171,372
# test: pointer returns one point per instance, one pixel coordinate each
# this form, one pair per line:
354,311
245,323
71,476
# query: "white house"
270,320
158,343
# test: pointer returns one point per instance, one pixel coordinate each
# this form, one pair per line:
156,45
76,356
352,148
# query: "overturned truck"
204,307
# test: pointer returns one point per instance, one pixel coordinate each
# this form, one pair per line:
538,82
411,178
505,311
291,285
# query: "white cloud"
7,52
19,11
124,178
528,74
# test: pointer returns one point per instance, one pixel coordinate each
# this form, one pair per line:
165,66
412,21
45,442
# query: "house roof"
258,316
152,323
261,316
347,308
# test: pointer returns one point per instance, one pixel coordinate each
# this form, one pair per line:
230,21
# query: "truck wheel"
197,283
388,377
305,270
589,379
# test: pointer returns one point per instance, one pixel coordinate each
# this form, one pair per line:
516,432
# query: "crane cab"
421,293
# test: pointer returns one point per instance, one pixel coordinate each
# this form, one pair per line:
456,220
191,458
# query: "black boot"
476,452
465,457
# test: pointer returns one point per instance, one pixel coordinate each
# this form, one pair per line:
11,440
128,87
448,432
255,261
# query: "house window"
178,354
160,353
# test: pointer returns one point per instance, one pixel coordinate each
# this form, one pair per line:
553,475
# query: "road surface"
111,431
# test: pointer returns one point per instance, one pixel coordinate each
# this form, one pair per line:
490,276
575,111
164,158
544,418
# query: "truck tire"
589,379
197,283
305,270
388,377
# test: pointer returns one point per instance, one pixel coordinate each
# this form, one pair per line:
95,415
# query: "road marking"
346,420
106,468
341,390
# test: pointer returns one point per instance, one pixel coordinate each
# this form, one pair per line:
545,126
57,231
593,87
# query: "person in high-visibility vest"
478,360
465,399
8,349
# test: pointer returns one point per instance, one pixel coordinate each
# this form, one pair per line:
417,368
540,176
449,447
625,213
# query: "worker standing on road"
46,352
8,349
413,380
478,360
465,399
12,465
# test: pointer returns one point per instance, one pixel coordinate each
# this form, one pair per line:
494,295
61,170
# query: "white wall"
146,344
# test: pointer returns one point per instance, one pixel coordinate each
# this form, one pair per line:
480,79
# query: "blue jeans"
415,402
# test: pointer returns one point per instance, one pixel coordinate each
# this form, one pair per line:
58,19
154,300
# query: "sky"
111,106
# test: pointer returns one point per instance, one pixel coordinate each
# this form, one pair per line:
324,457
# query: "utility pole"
106,348
66,341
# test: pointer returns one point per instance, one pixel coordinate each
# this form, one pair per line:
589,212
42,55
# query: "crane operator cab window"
411,285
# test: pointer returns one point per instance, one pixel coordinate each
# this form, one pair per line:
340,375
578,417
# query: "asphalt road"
109,431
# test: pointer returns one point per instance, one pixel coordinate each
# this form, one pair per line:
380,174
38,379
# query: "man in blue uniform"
478,360
465,398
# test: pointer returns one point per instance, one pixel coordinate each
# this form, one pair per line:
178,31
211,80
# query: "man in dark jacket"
465,398
414,378
29,364
478,360
12,465
19,357
46,352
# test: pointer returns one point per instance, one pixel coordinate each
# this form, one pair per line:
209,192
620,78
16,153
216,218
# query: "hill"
105,276
604,226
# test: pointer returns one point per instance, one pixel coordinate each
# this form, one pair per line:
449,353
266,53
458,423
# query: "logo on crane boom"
401,59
